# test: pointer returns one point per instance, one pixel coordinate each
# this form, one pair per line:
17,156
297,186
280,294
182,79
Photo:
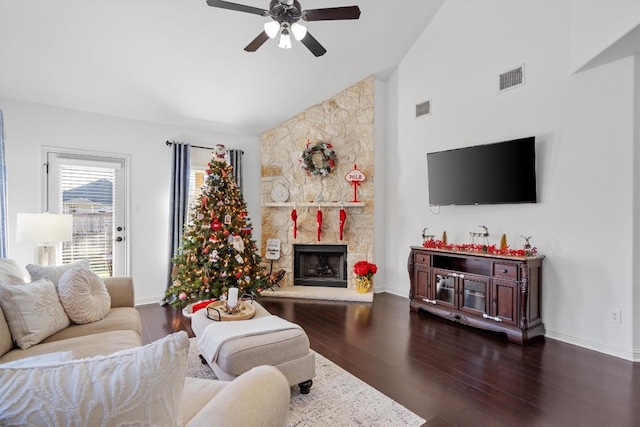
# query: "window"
196,181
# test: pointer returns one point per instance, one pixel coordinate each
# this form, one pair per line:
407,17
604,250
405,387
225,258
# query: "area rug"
337,398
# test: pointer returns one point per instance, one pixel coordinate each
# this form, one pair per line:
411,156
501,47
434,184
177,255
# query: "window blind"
196,181
88,193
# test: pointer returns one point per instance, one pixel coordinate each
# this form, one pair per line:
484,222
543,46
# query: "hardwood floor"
449,374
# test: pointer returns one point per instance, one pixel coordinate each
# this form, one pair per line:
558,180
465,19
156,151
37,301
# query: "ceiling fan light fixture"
272,28
285,40
299,31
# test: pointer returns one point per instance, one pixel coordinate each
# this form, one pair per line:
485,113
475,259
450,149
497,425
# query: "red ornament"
225,232
216,224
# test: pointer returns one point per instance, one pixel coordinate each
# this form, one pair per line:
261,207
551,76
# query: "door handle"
119,228
119,239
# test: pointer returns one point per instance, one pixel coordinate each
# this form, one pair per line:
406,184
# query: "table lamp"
46,230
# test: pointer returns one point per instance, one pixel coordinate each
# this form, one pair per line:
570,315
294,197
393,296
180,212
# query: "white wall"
27,127
595,25
583,125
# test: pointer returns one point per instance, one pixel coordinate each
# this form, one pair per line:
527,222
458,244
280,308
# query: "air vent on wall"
423,109
512,78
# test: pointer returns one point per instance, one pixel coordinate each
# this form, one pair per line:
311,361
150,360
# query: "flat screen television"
502,172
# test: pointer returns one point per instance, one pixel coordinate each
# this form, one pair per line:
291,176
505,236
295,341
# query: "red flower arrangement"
365,269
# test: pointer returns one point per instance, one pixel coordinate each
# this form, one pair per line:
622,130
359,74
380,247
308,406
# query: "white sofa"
106,356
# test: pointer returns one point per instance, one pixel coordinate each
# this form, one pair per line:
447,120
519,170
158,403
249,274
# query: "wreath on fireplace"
328,159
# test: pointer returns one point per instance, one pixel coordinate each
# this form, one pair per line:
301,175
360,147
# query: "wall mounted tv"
503,172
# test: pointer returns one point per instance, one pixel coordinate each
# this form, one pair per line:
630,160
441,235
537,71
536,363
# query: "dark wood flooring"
449,374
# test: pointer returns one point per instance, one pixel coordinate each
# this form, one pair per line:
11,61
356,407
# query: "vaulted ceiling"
182,62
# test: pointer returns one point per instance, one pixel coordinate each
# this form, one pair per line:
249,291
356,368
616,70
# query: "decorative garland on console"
327,164
486,249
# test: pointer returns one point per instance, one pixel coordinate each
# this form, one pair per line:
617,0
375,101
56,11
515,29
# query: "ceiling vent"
512,78
423,109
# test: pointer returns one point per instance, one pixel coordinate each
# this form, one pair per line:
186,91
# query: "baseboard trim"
149,300
631,355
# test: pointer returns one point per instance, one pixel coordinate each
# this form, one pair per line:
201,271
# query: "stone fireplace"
320,265
345,121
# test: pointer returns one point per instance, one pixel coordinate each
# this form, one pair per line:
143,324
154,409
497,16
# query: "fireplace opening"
320,265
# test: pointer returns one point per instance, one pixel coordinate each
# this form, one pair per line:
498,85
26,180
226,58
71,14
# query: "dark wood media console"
493,292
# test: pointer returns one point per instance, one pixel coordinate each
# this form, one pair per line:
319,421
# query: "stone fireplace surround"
345,121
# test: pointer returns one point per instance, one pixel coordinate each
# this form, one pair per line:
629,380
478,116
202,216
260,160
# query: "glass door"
92,189
445,287
475,293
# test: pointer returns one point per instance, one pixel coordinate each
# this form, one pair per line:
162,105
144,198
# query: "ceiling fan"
285,15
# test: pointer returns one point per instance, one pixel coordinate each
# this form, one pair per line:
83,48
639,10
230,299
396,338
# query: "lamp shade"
272,28
44,227
299,31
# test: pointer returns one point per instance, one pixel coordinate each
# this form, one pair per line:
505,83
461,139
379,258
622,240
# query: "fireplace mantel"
316,204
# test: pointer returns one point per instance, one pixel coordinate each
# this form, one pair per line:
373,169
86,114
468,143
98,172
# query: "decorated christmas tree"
217,250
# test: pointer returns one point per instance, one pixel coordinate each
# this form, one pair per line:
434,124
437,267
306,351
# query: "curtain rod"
170,143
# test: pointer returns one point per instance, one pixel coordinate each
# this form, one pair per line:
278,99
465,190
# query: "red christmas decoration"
365,268
202,304
475,247
343,218
319,222
294,218
216,224
355,178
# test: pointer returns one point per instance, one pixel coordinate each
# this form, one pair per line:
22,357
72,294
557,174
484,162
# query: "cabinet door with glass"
474,293
461,291
445,287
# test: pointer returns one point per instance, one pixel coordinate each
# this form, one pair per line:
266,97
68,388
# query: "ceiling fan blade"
312,44
331,13
239,7
257,42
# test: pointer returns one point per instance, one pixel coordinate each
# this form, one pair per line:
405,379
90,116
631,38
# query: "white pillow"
39,360
140,386
10,272
84,296
54,273
33,311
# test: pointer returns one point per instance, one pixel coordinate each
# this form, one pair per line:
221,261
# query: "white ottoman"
288,350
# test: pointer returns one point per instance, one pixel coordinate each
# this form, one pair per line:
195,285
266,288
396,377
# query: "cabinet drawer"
507,271
422,259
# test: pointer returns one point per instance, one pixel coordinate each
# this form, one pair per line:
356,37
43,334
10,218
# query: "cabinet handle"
432,301
486,316
504,270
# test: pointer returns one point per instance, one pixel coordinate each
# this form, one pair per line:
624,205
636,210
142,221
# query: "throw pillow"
54,274
33,311
84,296
140,386
39,360
10,272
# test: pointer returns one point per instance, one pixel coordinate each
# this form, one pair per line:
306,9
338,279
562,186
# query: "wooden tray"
217,311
